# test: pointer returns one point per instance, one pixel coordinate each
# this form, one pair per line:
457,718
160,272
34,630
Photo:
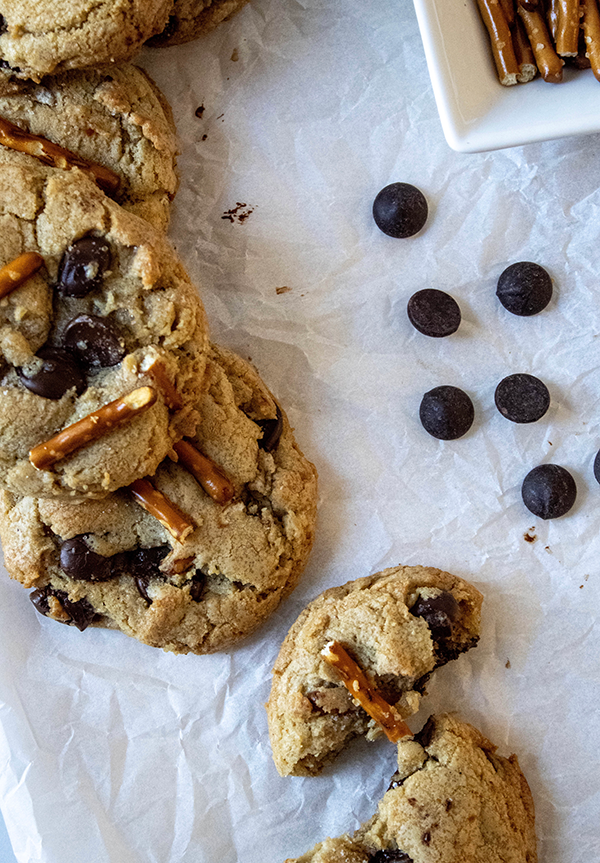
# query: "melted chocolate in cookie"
390,856
59,374
79,562
83,266
271,431
80,612
439,613
94,341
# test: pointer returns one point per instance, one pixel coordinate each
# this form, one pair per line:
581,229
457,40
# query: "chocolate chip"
549,491
94,341
4,64
522,398
142,564
83,266
446,413
80,611
597,466
3,25
59,374
433,313
400,210
271,431
524,288
439,613
197,586
390,855
78,561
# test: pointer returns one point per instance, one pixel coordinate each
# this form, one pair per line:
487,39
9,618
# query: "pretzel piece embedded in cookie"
91,427
158,504
362,690
52,154
591,33
547,60
501,41
567,28
13,274
211,478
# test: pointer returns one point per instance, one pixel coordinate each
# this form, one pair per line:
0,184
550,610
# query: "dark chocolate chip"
425,735
446,413
3,25
80,611
4,64
271,431
197,586
522,398
94,341
597,466
439,613
83,266
400,210
433,313
549,491
390,856
142,564
78,561
524,288
59,374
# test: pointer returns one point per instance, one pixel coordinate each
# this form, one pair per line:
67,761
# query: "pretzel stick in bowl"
508,7
501,41
524,54
591,33
567,29
547,60
552,17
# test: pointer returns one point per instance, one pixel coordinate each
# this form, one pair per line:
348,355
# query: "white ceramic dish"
477,113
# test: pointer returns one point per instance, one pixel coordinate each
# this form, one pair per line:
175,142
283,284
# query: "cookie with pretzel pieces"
38,39
453,798
102,350
114,116
195,558
190,19
392,630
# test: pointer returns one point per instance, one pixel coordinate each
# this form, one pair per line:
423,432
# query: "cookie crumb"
238,213
530,536
235,56
507,664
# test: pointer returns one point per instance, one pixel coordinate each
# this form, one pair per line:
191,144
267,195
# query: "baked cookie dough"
111,563
452,799
115,302
190,19
45,38
398,625
114,116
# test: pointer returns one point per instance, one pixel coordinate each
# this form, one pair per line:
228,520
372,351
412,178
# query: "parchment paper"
113,751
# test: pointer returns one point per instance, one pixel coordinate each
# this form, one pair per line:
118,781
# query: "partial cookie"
190,19
398,625
113,116
452,800
112,563
46,38
110,309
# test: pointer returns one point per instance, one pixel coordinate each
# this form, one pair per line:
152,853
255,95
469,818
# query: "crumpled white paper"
113,751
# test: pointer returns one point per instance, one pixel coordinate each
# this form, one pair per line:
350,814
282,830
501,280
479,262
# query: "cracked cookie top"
110,306
398,625
114,563
38,38
453,798
113,116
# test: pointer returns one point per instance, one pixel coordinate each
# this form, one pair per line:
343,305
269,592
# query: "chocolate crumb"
204,137
199,111
283,290
235,56
426,838
238,213
507,665
530,536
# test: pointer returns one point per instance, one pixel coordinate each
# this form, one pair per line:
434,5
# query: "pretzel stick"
523,53
362,690
13,274
508,7
157,372
501,41
567,29
591,32
51,154
91,427
211,478
158,504
547,60
552,16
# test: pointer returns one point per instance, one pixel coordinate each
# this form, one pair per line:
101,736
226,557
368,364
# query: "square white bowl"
476,111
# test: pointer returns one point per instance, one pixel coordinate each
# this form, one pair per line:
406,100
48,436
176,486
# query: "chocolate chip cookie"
398,625
117,563
452,799
114,116
190,19
38,39
110,315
